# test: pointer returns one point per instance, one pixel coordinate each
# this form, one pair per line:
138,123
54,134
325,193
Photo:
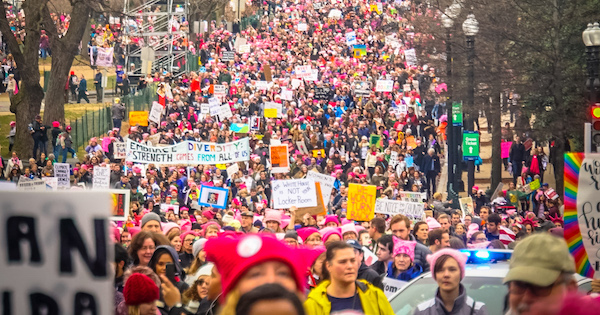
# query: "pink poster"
505,149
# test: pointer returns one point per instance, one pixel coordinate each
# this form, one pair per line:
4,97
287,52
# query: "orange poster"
280,162
138,118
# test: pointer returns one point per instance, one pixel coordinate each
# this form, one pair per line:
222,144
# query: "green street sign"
457,114
470,145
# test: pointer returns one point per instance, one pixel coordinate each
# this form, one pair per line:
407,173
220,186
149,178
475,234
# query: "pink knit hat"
473,227
458,256
328,231
306,232
332,218
404,247
432,223
272,215
349,228
166,227
182,236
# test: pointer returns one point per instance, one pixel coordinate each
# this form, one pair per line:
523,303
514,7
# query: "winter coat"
366,273
373,300
421,252
412,272
462,305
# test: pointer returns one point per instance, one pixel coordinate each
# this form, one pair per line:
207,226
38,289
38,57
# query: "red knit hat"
248,251
140,289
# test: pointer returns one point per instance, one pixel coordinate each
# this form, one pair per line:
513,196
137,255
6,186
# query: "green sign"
470,146
457,114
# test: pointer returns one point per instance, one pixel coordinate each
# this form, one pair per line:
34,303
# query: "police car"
484,272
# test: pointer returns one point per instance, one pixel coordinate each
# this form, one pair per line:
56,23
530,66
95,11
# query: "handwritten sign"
138,118
35,184
413,210
384,85
280,161
412,196
361,202
351,38
300,193
326,182
320,209
62,238
228,56
119,150
101,178
155,112
62,173
411,57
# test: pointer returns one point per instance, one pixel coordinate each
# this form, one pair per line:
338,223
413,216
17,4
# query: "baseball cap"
355,245
248,214
539,259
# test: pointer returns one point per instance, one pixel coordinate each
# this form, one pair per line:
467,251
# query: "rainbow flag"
360,50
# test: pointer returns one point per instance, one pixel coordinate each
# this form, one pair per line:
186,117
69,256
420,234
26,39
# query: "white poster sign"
326,182
351,38
220,90
275,105
391,286
287,94
301,193
62,174
190,152
120,149
393,158
223,112
244,49
51,183
411,57
155,112
588,203
35,184
412,196
302,27
413,210
56,253
204,108
384,86
105,57
313,76
166,208
232,169
263,85
101,179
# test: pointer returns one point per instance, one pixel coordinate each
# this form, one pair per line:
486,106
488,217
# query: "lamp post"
591,39
470,28
448,21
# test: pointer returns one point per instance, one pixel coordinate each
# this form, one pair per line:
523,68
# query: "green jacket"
373,300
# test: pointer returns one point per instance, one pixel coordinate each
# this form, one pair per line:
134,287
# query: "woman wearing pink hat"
403,266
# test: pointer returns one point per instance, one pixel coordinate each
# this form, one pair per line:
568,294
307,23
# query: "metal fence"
97,123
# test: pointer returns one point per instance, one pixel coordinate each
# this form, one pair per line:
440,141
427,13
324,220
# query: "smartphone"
171,273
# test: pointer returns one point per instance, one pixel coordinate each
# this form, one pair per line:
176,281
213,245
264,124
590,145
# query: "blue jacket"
82,85
414,271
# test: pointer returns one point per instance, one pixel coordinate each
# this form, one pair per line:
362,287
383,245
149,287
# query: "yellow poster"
411,142
361,202
271,112
315,153
138,118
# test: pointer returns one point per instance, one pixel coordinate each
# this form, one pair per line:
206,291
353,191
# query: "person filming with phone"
165,263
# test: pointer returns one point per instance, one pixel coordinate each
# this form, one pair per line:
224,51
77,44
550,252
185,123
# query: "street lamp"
470,28
448,21
591,39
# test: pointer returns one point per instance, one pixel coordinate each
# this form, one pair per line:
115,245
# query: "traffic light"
596,124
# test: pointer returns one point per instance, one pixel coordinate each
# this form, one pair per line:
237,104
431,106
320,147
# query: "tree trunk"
64,51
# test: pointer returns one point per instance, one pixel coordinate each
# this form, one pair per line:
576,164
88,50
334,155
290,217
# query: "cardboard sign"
280,160
138,118
215,197
320,209
119,150
361,202
413,210
302,147
62,172
391,286
232,170
101,179
326,183
300,193
384,85
62,238
466,205
582,202
155,112
267,73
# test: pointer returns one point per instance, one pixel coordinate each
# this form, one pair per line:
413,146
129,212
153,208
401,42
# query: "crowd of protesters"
252,259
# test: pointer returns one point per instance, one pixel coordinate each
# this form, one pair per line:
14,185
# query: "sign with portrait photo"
215,197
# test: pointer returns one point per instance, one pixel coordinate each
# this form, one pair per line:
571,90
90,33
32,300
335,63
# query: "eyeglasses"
481,239
519,287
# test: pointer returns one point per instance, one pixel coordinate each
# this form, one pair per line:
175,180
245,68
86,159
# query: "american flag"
506,235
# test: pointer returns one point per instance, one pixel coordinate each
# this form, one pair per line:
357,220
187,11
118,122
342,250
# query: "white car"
483,282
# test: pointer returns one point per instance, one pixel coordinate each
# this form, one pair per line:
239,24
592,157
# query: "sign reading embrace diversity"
190,152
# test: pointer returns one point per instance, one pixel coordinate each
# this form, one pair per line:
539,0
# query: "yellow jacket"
372,299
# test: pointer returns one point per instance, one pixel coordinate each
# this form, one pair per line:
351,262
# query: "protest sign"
294,192
375,140
101,179
393,158
551,194
318,153
228,56
505,149
369,257
302,147
361,202
323,93
412,196
220,90
391,286
384,85
104,57
62,172
582,202
239,128
359,50
313,76
302,27
232,169
56,253
466,205
254,123
120,204
263,85
190,152
287,94
35,184
155,112
222,112
213,102
167,207
204,108
51,183
138,118
320,209
326,182
351,38
302,71
215,197
411,57
413,210
120,149
497,191
244,49
273,109
280,160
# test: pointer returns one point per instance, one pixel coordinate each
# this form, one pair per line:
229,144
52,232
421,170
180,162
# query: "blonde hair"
133,310
231,302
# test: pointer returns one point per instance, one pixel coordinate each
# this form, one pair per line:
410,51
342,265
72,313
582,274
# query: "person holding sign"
403,266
